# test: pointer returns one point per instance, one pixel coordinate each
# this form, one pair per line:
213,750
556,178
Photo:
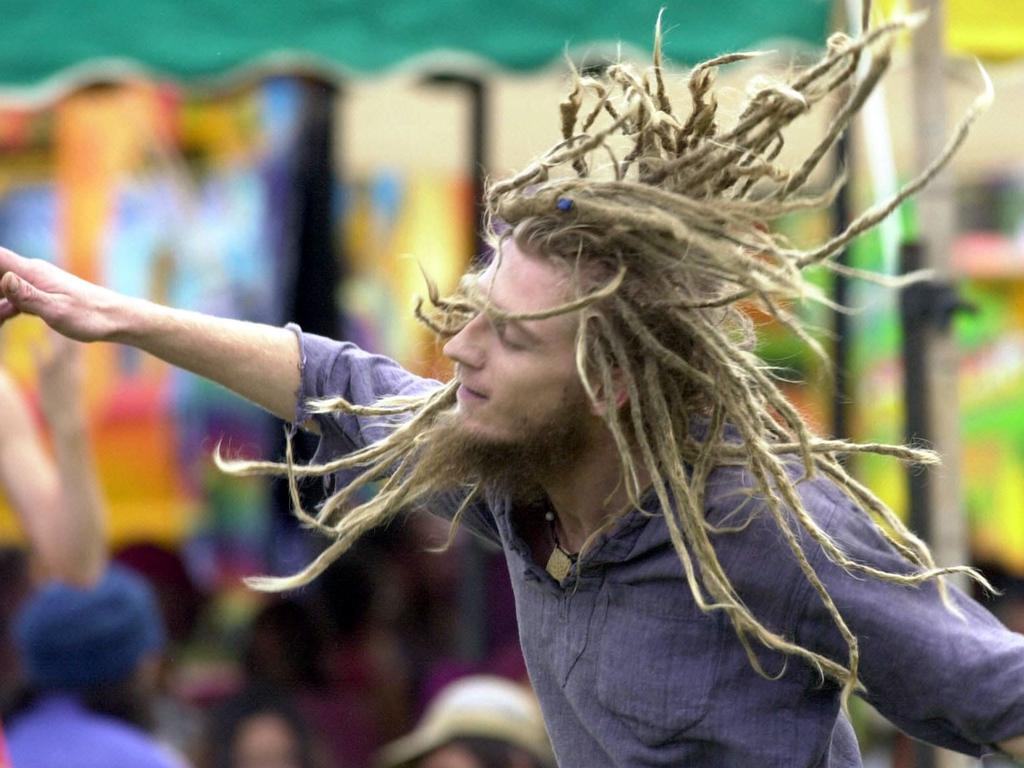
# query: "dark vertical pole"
310,282
478,159
927,310
945,526
916,405
476,89
472,598
840,295
914,319
313,304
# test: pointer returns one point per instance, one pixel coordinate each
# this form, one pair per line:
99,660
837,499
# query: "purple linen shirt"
629,671
58,732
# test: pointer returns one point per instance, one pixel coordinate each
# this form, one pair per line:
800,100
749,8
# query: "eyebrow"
475,292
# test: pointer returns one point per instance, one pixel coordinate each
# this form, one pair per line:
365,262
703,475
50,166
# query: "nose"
466,347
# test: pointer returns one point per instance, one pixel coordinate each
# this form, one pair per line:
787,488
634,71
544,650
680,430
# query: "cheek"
527,375
536,392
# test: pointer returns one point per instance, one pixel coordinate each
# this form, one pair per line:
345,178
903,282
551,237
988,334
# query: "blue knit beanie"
71,638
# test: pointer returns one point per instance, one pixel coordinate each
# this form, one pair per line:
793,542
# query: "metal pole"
840,295
311,275
945,524
478,147
936,217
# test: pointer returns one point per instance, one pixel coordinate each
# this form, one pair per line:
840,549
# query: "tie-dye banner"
397,226
116,203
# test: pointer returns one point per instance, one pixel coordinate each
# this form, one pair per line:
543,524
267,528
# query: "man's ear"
621,394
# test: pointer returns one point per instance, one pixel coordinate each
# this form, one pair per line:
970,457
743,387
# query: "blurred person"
284,646
431,630
476,722
84,633
177,721
259,728
368,661
15,585
91,658
56,500
698,579
178,596
288,647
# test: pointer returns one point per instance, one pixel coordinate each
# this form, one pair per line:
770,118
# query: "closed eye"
501,329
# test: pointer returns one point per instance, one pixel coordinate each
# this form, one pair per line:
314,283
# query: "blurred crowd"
327,677
361,670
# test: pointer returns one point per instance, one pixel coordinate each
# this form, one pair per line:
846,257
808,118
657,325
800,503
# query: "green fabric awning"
46,44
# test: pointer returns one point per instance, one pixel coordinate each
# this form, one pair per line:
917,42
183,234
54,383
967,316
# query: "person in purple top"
698,580
91,655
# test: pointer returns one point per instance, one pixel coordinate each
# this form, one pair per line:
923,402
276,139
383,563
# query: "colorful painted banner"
102,187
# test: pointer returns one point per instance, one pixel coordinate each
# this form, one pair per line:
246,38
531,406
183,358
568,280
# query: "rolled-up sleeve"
332,368
341,369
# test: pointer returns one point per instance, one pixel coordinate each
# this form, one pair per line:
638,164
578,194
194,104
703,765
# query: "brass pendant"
558,564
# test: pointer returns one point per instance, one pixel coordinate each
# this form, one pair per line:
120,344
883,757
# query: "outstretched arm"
258,362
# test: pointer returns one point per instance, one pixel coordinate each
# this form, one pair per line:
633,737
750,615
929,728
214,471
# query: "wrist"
132,320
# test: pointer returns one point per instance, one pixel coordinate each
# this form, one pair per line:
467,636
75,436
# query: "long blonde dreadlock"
662,244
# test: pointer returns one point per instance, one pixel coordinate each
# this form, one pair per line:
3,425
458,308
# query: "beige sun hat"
478,706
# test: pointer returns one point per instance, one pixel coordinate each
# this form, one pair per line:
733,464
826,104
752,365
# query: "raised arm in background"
58,503
77,533
28,479
258,362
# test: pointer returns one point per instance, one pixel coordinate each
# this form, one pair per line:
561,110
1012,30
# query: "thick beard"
453,456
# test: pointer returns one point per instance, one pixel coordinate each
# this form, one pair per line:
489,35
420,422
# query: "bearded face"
521,414
455,453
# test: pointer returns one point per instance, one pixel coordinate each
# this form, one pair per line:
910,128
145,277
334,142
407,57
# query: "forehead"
518,282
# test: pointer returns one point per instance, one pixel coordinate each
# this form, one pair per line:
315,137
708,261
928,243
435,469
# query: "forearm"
259,362
79,542
31,483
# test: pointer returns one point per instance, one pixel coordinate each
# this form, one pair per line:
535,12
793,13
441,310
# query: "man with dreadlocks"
698,580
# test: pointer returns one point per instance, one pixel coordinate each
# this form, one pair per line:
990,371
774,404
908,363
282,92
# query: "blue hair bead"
564,204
